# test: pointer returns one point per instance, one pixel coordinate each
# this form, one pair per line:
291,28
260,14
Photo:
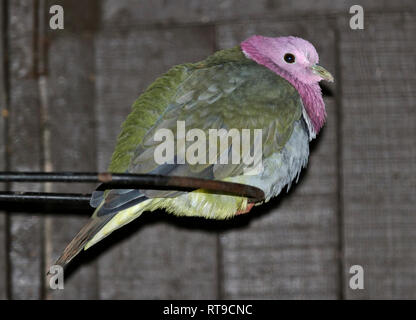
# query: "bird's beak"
322,72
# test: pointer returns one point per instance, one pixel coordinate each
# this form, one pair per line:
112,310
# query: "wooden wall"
64,94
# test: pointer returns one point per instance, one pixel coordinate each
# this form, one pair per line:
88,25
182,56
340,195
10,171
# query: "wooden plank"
3,119
25,151
287,249
157,256
70,136
133,13
379,172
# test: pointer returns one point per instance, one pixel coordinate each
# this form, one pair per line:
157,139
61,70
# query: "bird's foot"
246,210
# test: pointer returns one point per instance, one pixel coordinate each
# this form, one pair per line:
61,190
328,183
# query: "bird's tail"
88,231
97,228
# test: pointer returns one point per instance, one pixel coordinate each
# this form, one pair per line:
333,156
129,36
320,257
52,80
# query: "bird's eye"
289,58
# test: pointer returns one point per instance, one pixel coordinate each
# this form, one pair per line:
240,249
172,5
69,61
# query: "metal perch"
117,181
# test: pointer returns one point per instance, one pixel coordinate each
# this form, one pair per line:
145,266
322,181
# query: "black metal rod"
41,197
124,181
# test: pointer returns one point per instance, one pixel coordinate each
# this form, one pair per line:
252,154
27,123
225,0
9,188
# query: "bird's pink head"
296,60
293,56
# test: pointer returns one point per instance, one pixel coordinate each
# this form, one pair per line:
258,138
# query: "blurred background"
64,94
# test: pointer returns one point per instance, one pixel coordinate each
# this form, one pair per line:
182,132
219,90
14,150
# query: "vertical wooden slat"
379,151
70,135
287,248
150,258
3,119
25,148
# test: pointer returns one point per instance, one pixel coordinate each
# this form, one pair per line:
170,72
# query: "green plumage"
145,111
225,91
267,101
228,91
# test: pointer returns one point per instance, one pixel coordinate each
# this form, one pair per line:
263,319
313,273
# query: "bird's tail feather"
97,228
88,231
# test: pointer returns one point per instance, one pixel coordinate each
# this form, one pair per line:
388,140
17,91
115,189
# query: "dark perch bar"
117,181
10,196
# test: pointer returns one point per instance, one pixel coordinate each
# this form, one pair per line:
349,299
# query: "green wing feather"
145,111
224,91
153,102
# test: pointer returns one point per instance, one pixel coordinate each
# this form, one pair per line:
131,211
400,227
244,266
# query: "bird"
266,83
